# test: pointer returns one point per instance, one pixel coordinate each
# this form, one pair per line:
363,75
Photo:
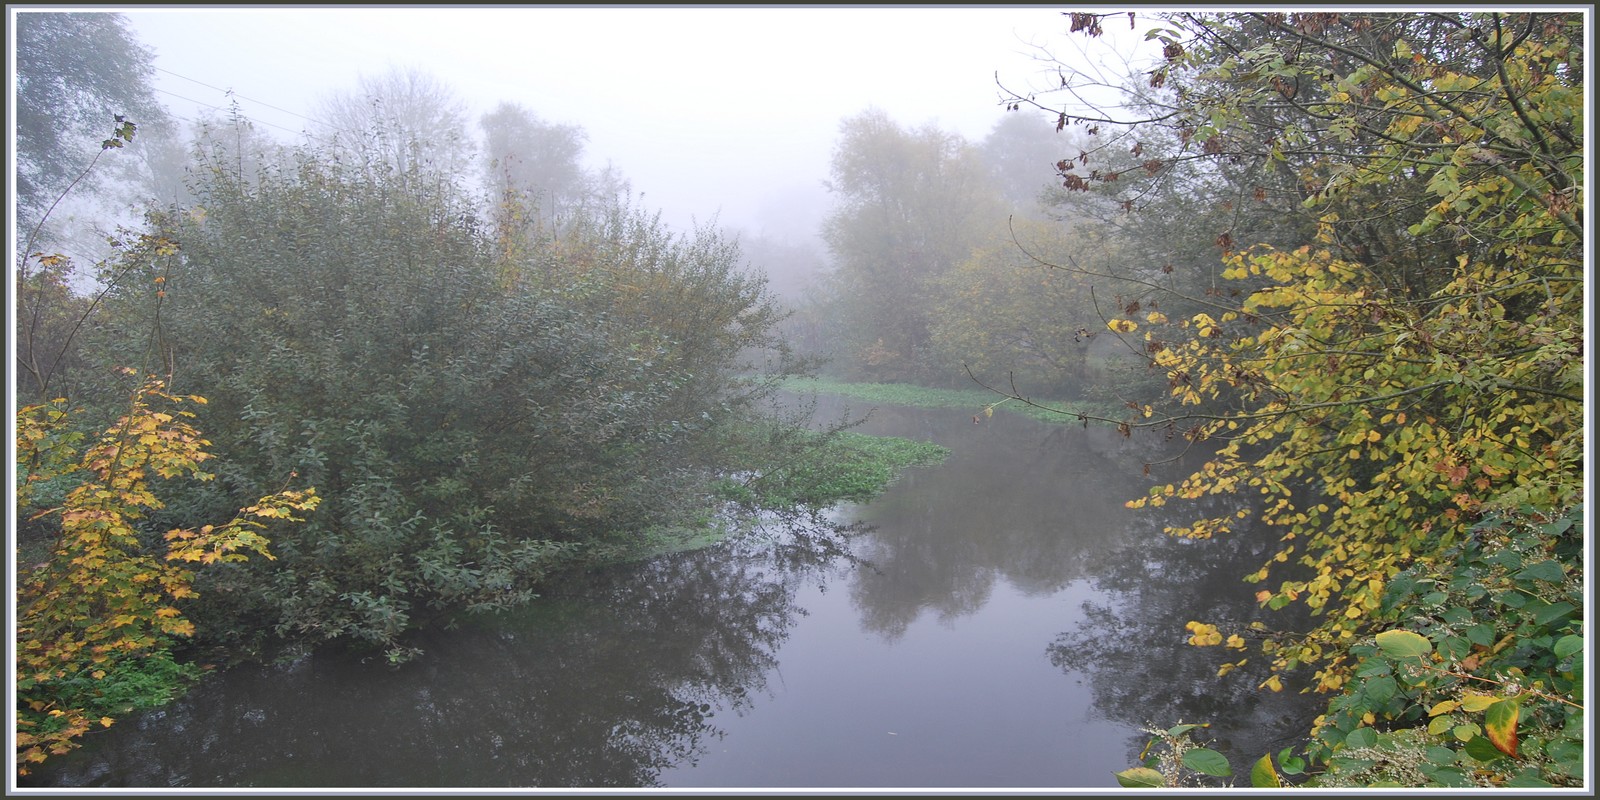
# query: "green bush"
1481,681
475,415
826,469
1478,683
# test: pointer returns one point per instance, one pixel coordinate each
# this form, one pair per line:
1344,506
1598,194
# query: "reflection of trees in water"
1019,500
1042,506
1132,645
609,678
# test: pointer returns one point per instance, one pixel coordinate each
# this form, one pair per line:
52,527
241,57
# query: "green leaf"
1381,689
1290,764
1508,558
1206,761
1361,737
1549,571
1262,775
1565,752
1481,634
1443,756
1445,776
1404,644
1456,647
1528,779
1370,669
1483,750
1567,645
1551,613
1558,527
1140,778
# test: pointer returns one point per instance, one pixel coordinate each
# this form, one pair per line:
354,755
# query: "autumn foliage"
108,592
1377,402
1396,377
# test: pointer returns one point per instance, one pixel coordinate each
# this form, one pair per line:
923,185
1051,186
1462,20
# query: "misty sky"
708,110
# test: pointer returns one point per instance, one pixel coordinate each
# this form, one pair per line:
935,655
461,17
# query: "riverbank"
980,401
825,471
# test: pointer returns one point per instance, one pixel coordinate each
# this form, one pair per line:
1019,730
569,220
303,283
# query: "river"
997,622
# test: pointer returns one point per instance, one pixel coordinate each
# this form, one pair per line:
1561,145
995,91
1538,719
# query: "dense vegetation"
1395,376
1343,253
409,399
942,272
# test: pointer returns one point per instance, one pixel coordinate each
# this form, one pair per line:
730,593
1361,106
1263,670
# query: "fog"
712,113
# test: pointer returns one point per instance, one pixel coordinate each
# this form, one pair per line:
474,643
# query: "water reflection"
1001,620
1133,646
1037,506
599,684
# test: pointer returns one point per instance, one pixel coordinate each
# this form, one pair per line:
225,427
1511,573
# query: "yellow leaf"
105,722
1500,725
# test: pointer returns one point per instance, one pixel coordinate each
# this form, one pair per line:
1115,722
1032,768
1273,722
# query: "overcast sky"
708,110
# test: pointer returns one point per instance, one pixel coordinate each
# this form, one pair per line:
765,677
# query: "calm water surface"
1001,621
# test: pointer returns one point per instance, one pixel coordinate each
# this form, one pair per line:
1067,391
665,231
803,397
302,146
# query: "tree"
48,317
49,313
538,163
475,416
79,74
910,206
1021,152
691,299
101,610
792,267
1006,314
380,366
1410,370
403,120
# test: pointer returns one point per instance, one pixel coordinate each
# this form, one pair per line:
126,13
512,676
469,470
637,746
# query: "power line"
232,93
235,95
203,104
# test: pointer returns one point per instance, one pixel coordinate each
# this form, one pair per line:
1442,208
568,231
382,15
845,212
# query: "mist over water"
1003,622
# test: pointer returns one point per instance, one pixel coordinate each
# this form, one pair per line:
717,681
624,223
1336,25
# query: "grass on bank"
843,467
821,470
977,399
